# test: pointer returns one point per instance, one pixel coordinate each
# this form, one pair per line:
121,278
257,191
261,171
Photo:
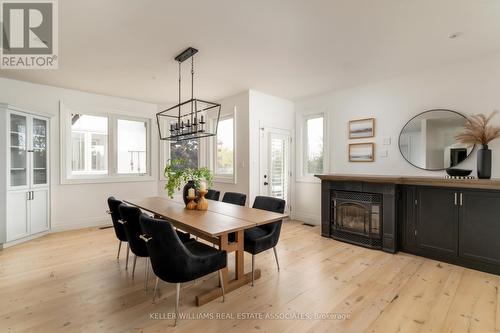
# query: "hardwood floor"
71,281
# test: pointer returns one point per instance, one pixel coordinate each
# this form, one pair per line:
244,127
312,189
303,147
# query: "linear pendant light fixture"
188,120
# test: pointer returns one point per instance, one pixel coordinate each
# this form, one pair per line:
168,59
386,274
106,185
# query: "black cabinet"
437,220
460,226
480,226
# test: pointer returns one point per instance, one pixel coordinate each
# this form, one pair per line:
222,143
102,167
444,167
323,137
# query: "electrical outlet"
386,141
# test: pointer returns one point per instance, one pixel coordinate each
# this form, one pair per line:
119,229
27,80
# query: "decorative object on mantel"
187,120
454,172
479,131
177,173
362,128
361,152
459,177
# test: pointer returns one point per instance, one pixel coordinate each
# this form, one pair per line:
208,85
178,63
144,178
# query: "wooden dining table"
213,225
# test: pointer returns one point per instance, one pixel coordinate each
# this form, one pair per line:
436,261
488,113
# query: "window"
314,145
132,146
186,150
89,144
104,147
224,148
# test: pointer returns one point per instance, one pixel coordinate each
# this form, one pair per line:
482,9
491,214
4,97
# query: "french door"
275,173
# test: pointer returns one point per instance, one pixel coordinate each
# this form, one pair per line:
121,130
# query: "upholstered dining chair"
130,222
235,198
212,195
113,205
176,262
261,238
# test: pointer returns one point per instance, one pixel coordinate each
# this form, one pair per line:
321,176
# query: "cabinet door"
480,226
17,215
39,155
18,142
39,211
437,220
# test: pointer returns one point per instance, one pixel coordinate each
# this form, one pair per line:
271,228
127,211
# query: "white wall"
467,87
266,111
75,206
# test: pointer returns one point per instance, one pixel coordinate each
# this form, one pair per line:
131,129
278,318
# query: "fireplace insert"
357,218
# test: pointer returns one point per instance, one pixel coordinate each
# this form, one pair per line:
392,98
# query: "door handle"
461,199
455,200
266,183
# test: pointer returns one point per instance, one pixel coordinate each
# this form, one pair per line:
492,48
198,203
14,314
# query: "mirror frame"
421,113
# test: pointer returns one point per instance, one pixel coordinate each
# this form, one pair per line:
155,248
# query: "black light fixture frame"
195,127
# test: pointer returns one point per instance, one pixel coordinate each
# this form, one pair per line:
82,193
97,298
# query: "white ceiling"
290,49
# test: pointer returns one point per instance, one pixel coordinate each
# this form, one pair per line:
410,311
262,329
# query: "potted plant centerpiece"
178,173
479,131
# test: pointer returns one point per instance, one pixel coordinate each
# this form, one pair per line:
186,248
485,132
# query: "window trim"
112,176
302,118
212,154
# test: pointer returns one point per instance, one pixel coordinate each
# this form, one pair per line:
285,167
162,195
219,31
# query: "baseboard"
307,217
80,224
22,240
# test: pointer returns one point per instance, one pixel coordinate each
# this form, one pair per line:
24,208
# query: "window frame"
212,149
112,176
223,178
302,118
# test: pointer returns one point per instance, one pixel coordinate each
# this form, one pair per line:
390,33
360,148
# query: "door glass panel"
39,151
278,166
18,172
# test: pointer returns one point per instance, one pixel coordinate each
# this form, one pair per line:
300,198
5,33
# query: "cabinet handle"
455,198
28,196
461,199
32,195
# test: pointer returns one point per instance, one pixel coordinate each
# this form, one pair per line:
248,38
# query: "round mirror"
428,142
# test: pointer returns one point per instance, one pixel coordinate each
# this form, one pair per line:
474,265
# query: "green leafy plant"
178,174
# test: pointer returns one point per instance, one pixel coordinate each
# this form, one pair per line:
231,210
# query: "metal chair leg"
222,286
156,288
178,295
253,270
276,256
133,269
128,251
146,275
119,248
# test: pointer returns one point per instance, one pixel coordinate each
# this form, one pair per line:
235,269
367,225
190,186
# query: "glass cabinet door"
18,158
39,151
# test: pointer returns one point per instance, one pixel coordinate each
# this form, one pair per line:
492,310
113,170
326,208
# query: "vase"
190,184
484,163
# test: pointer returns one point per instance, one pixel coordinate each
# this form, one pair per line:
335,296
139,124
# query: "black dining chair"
212,195
176,262
261,238
235,198
130,221
113,205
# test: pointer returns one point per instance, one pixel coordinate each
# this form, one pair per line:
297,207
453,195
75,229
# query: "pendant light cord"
179,118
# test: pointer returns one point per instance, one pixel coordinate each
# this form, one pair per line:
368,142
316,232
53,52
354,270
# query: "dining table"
214,226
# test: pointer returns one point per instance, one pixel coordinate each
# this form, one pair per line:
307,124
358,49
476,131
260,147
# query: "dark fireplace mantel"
452,220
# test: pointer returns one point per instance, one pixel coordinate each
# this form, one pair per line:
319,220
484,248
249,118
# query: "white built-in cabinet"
26,170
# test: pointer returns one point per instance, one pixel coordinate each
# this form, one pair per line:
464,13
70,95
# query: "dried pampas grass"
478,130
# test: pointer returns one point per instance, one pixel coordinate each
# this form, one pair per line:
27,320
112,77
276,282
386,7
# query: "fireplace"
356,217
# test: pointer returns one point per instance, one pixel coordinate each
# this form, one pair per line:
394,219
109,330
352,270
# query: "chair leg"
276,256
146,275
119,248
133,269
178,295
156,288
222,286
253,268
128,251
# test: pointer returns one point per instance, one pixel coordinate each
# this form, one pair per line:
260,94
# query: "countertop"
491,184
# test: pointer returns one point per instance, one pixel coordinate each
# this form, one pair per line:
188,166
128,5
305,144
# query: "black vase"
484,163
190,184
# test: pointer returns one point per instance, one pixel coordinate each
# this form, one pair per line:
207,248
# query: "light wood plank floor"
72,282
